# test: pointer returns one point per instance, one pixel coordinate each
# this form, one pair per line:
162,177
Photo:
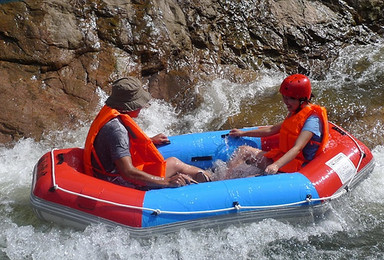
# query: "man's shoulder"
114,125
113,122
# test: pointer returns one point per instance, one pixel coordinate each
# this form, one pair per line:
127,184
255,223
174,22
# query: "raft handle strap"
337,129
53,188
201,158
60,157
156,212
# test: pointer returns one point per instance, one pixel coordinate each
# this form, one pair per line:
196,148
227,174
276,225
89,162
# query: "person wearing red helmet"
302,135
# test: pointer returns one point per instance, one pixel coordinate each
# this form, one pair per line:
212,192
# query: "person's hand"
271,169
160,139
188,179
176,180
235,132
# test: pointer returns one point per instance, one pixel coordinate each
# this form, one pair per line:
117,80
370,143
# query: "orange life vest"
289,132
144,153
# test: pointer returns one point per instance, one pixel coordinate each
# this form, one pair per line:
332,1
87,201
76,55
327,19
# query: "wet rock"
54,55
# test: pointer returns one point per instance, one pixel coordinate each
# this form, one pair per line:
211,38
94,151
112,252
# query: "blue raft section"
205,200
203,149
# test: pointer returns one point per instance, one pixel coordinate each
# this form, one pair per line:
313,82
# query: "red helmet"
296,86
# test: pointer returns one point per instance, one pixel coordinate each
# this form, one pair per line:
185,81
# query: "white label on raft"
343,167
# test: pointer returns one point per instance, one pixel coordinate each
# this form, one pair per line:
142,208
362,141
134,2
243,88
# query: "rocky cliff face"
55,55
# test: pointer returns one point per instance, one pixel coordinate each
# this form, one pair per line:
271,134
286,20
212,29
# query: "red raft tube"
63,194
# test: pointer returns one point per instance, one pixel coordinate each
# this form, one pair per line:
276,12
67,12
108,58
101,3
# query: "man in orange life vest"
303,134
117,150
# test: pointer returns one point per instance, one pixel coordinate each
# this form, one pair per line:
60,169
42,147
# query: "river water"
353,93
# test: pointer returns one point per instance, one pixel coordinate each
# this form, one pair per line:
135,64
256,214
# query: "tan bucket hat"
128,94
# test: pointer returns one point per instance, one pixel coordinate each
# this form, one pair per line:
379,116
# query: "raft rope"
236,206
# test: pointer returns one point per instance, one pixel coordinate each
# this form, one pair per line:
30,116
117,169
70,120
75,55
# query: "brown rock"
55,54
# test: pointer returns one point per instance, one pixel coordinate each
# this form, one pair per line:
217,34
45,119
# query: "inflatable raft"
63,194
